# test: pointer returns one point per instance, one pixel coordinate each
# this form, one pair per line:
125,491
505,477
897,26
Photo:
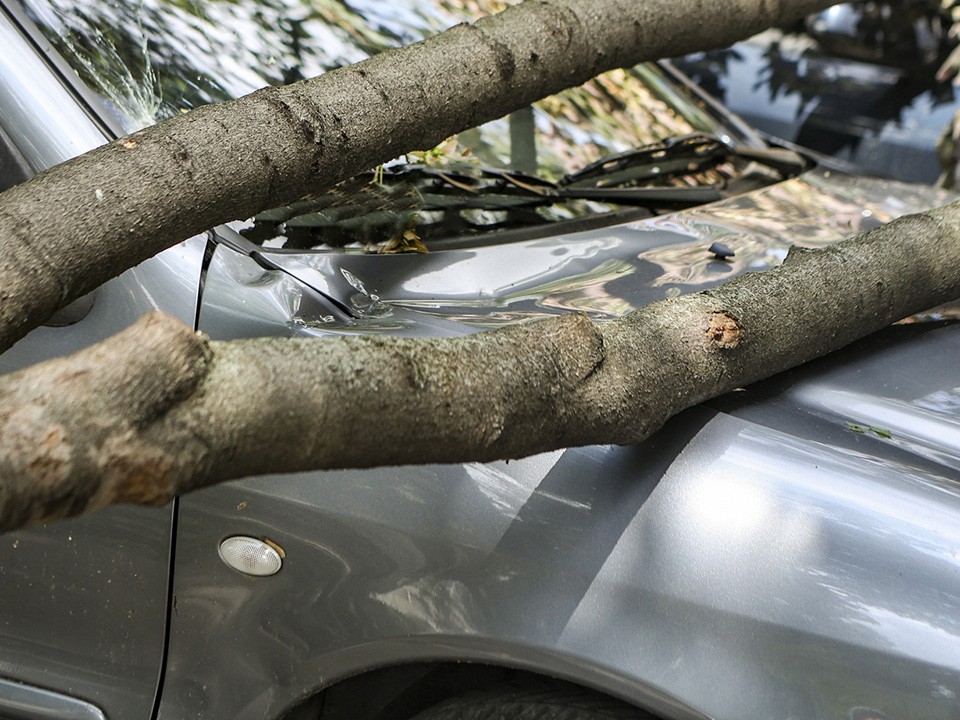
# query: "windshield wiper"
659,197
440,203
493,189
683,155
670,197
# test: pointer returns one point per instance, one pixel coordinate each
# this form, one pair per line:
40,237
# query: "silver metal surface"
788,551
83,603
21,702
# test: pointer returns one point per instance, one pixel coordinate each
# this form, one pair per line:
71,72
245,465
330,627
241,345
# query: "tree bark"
72,228
157,410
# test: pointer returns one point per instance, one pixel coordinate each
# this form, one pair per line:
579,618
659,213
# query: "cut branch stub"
69,427
723,330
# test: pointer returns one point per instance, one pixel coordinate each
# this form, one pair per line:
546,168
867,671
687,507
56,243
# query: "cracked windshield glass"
535,168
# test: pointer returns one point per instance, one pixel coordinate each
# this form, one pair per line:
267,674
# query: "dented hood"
603,272
901,395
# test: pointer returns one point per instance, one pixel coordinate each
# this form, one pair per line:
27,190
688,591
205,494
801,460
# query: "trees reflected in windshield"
154,59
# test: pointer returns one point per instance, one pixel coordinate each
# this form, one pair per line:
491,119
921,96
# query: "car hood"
604,273
788,550
878,397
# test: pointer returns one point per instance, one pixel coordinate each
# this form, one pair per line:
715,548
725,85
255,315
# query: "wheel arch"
372,678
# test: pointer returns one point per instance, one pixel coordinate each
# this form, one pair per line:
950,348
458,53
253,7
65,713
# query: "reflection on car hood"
605,272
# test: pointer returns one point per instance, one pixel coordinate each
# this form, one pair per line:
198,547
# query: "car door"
83,603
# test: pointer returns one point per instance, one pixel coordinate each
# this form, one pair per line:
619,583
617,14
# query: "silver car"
791,550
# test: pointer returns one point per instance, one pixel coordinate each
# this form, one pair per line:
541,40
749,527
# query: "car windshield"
153,59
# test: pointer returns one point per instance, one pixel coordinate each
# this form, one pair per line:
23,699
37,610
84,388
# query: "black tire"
559,704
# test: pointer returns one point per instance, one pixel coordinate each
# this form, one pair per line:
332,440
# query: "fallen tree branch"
70,229
157,410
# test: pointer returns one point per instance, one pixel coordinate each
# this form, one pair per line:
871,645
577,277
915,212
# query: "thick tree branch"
197,412
74,227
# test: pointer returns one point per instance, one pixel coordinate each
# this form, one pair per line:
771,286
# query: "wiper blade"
684,154
451,202
324,284
785,161
494,189
661,197
544,191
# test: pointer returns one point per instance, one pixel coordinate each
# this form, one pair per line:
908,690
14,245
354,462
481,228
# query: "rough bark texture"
70,229
106,426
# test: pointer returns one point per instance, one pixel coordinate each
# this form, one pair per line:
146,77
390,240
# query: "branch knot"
722,330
